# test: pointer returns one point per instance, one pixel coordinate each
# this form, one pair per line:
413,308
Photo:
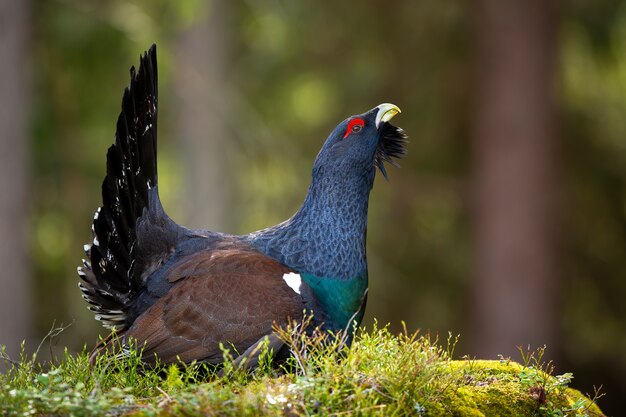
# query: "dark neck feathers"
326,237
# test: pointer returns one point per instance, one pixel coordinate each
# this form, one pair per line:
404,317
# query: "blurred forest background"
506,223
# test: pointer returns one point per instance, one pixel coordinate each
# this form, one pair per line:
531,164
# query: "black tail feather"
108,278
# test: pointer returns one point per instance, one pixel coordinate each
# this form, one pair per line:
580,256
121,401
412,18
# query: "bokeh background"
506,223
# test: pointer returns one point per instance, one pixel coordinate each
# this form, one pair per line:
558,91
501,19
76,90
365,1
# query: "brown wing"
231,296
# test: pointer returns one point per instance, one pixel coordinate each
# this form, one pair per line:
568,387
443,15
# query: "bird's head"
361,143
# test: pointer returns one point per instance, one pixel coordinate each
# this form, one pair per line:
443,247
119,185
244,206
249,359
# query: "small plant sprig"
538,375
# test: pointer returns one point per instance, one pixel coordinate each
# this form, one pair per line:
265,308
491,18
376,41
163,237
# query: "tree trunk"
514,288
200,119
15,277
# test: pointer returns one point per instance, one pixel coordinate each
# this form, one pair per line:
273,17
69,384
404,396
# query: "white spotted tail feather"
116,263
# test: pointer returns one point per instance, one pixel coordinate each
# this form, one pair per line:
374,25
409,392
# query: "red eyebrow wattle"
351,124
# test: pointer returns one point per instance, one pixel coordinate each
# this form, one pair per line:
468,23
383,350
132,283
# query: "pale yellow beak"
386,111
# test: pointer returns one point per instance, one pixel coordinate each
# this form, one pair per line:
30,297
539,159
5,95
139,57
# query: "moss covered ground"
381,374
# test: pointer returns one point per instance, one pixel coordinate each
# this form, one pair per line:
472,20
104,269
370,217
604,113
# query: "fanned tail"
116,265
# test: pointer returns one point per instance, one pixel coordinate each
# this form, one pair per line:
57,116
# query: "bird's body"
180,292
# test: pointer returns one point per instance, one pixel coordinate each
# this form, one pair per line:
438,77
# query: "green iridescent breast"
340,299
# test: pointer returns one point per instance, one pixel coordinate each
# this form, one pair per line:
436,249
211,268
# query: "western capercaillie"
181,292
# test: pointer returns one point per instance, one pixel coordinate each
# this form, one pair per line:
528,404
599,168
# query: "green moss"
463,411
486,388
494,388
382,374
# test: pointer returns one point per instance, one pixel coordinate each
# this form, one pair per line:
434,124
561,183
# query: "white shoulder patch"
293,280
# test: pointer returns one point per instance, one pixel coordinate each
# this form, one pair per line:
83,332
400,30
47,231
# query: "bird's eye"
355,126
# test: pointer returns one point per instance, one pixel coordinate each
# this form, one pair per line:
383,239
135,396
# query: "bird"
182,294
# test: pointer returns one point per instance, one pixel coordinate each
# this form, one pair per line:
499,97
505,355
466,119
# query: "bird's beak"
386,111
